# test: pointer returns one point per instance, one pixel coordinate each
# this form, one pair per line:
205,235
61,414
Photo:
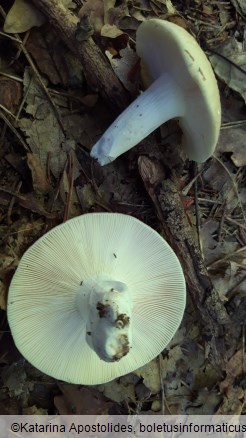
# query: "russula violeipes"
96,298
183,87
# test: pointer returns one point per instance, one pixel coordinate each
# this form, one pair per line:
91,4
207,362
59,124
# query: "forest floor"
50,117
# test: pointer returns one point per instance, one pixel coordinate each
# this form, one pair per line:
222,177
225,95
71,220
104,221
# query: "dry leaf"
110,31
15,379
170,8
3,295
119,392
122,67
240,7
138,15
114,14
85,129
90,100
94,9
74,208
34,410
151,375
225,66
22,17
233,402
205,403
69,4
233,140
30,202
49,54
39,180
234,369
86,196
81,401
8,263
214,250
9,406
10,93
44,135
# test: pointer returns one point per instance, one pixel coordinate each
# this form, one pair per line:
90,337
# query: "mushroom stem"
162,101
108,330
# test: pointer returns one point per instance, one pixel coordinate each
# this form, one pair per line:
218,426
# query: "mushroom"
183,87
96,298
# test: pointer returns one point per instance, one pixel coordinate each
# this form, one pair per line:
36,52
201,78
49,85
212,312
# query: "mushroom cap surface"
167,48
47,326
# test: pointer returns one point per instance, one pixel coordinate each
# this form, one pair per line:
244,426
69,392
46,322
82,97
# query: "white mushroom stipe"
108,329
184,87
141,118
96,298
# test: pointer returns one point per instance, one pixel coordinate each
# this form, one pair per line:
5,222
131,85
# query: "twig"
243,347
226,257
7,111
70,184
227,125
11,204
97,70
220,55
24,99
179,234
233,221
16,133
36,72
197,211
187,188
234,289
222,221
233,183
162,385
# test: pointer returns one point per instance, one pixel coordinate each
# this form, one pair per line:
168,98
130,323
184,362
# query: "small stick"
179,234
11,204
97,69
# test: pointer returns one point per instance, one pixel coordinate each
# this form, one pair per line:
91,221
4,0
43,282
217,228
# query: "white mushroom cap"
83,282
184,87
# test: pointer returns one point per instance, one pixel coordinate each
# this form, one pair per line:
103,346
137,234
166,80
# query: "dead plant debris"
51,113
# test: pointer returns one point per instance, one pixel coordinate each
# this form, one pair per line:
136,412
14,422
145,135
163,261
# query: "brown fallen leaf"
47,51
233,402
81,401
90,100
39,180
10,94
31,203
6,276
3,295
234,369
28,201
9,406
53,58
